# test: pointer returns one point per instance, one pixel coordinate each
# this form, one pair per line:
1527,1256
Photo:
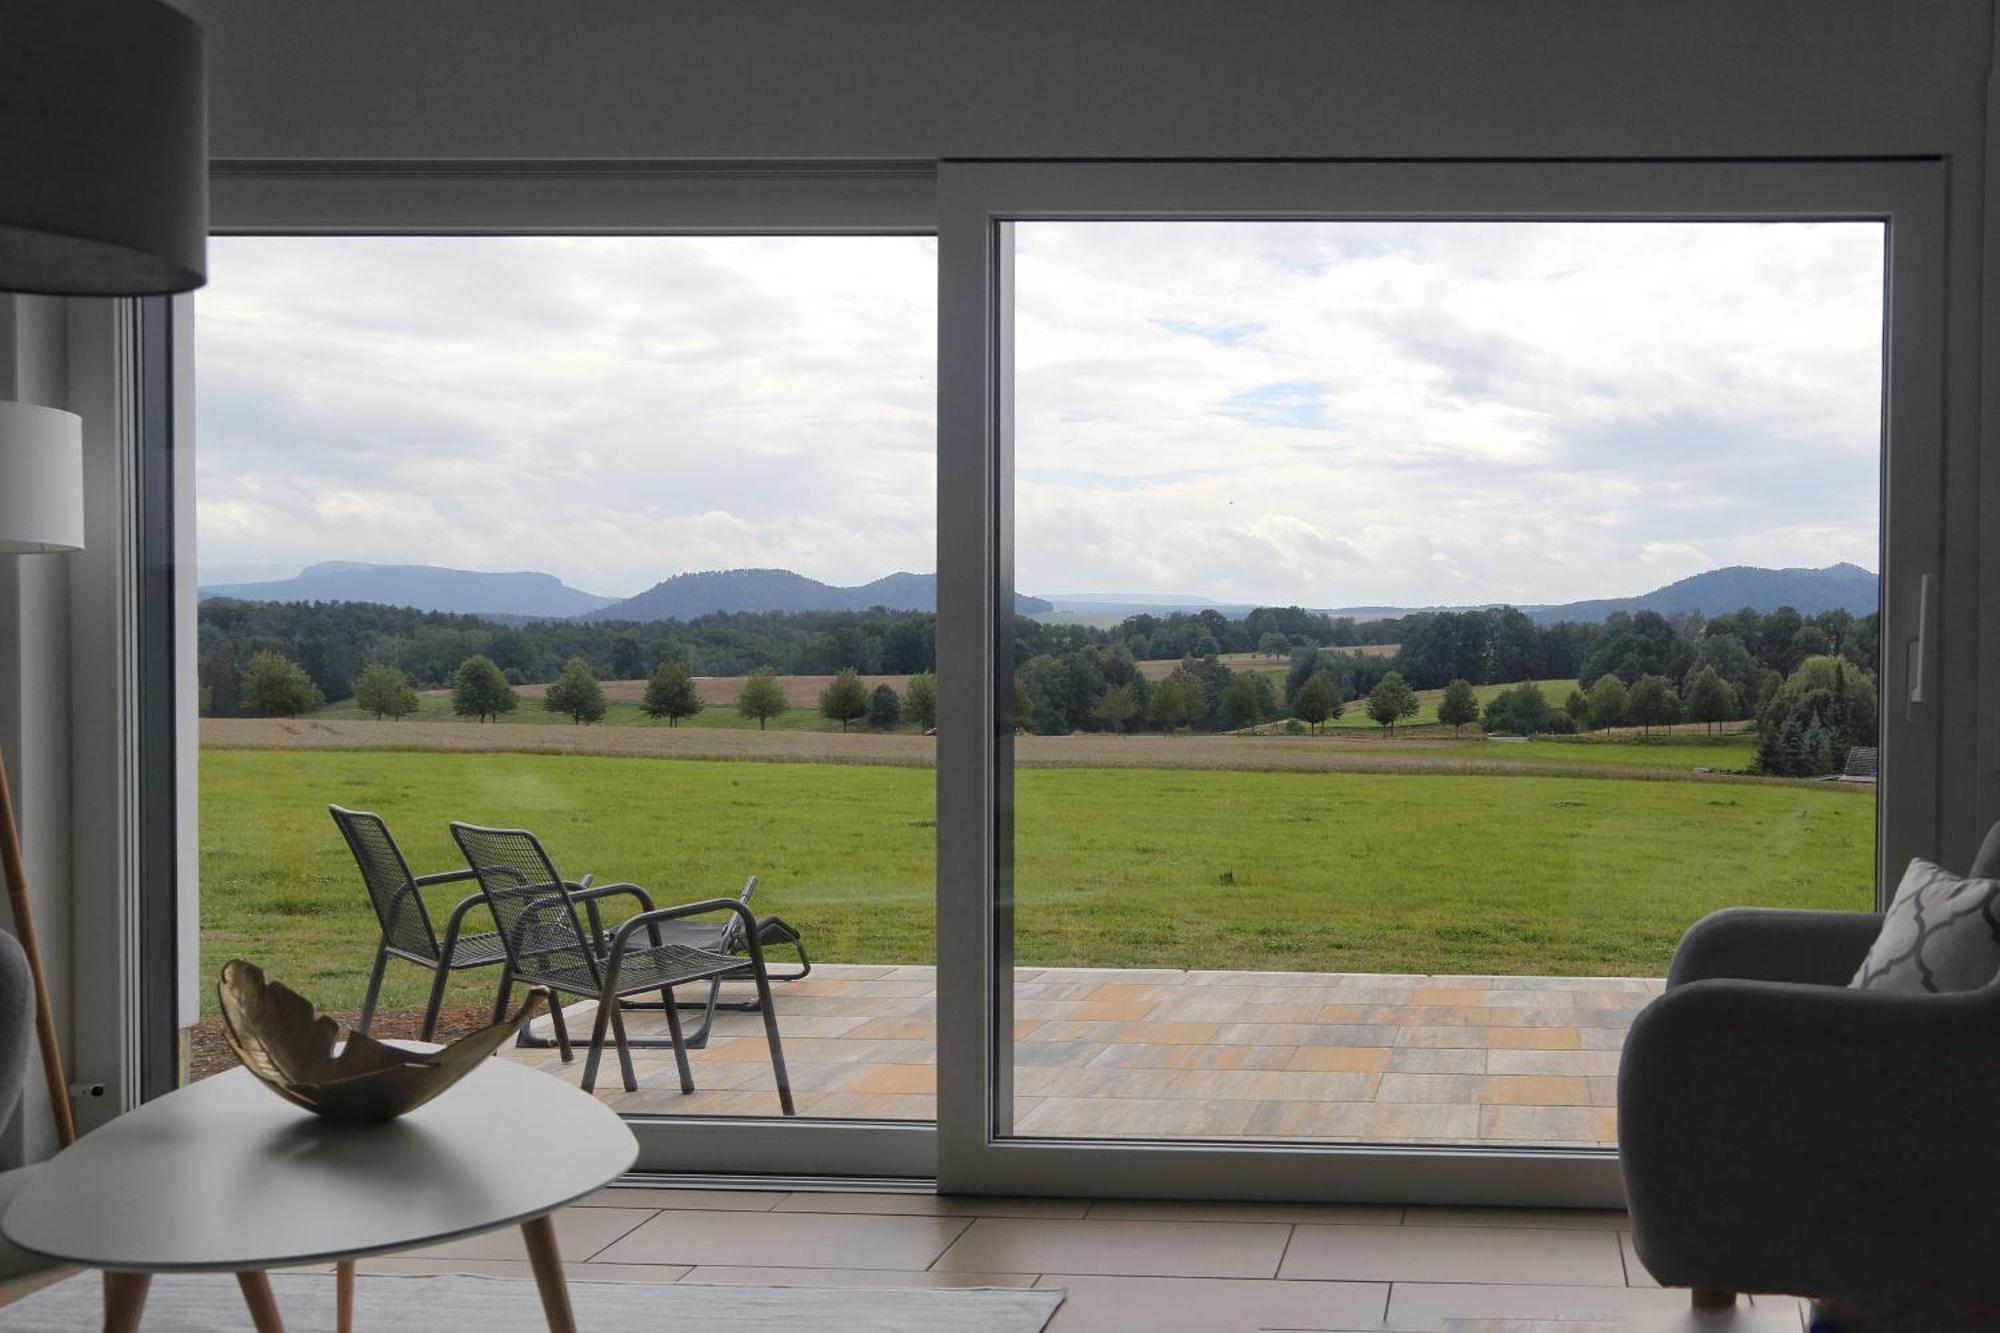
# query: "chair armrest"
451,928
1774,944
581,894
445,877
1812,1139
649,920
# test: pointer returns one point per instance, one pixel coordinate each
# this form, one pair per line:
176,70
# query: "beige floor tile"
1435,1089
904,1080
1145,1055
1356,1059
1455,1254
1117,1117
1426,1306
1543,1219
725,1276
930,1205
1211,1305
1437,1060
1120,991
860,1106
581,1233
653,1196
1196,1210
920,1029
1406,1122
1274,1085
1096,1081
684,1236
1119,1248
1575,1063
1550,1038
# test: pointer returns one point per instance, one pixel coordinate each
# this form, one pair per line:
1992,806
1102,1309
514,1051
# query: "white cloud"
1329,414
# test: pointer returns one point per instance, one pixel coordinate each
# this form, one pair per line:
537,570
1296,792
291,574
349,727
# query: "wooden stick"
343,1296
125,1301
257,1294
546,1259
24,931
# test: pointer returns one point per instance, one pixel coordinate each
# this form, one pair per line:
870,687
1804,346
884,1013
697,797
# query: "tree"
1459,705
479,690
1653,703
670,694
1524,710
1118,705
920,700
1317,702
1710,699
1391,700
1731,661
1577,709
576,692
761,696
1608,702
384,691
845,699
1177,701
628,659
885,708
1248,699
276,686
1024,703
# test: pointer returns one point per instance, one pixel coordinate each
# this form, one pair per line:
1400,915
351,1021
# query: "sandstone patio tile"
917,1080
1528,1124
1532,1038
1364,1121
1437,1060
1534,1090
1091,1081
1434,1089
1146,1055
921,1029
1577,1063
1115,1117
1355,1059
1029,1054
1601,1039
1273,1085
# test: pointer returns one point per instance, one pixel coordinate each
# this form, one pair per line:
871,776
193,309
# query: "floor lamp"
104,149
41,510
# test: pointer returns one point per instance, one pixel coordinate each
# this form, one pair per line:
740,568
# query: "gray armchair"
1781,1133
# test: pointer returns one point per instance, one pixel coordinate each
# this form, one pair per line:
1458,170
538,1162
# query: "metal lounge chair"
407,931
728,936
548,947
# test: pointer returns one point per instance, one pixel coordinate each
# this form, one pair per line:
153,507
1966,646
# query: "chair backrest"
531,904
406,925
1986,862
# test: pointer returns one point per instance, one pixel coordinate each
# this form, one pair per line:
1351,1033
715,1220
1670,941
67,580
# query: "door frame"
977,203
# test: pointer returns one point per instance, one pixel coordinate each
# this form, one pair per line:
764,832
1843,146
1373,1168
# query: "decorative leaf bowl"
297,1052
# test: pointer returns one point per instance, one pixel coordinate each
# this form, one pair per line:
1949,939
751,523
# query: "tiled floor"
1159,1267
1169,1054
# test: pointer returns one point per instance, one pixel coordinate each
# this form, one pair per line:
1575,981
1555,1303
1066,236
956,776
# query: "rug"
207,1303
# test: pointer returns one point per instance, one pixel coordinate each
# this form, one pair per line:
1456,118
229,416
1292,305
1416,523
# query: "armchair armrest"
588,896
445,877
653,919
1812,1139
1774,944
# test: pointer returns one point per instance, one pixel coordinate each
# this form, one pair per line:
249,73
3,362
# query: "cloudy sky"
1332,414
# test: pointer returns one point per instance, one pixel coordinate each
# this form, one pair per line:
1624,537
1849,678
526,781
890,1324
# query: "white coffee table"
224,1176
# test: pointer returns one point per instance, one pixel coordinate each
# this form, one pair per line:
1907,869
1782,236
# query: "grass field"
1127,867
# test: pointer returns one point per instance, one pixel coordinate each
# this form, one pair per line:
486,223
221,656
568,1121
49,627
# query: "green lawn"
1116,867
1672,750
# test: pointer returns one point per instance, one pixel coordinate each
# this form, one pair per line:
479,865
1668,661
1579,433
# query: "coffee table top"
223,1174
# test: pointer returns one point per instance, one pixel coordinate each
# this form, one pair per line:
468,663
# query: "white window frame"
977,203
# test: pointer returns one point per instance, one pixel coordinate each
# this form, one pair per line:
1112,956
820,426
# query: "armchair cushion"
1941,934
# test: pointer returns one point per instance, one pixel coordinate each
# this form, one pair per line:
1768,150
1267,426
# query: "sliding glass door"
1381,608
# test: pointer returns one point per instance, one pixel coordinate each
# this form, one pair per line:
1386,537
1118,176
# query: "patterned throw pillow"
1942,933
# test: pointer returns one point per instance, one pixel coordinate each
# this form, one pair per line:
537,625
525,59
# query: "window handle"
1919,648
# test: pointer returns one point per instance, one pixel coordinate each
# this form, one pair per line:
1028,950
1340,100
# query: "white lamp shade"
41,479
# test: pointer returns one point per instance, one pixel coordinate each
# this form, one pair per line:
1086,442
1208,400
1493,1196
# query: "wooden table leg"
546,1260
263,1305
124,1301
343,1295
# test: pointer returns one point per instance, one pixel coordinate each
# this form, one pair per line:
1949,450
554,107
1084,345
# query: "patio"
1172,1054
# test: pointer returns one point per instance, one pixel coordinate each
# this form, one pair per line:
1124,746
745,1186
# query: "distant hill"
686,596
425,587
1842,587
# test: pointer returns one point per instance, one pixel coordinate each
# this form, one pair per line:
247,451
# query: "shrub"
845,699
920,700
670,694
885,708
276,686
479,690
576,692
384,691
1525,711
761,696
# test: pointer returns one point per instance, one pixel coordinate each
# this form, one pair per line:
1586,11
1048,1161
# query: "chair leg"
436,1002
631,1079
777,1048
1709,1298
605,1009
680,1043
561,1027
500,999
374,988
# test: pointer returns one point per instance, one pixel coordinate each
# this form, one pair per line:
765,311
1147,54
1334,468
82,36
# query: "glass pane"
1434,620
500,530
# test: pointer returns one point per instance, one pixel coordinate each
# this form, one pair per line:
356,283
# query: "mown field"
1143,867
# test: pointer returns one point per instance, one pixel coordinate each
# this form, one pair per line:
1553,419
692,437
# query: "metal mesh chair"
407,931
547,946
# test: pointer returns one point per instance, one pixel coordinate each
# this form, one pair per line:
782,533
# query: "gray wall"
919,80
